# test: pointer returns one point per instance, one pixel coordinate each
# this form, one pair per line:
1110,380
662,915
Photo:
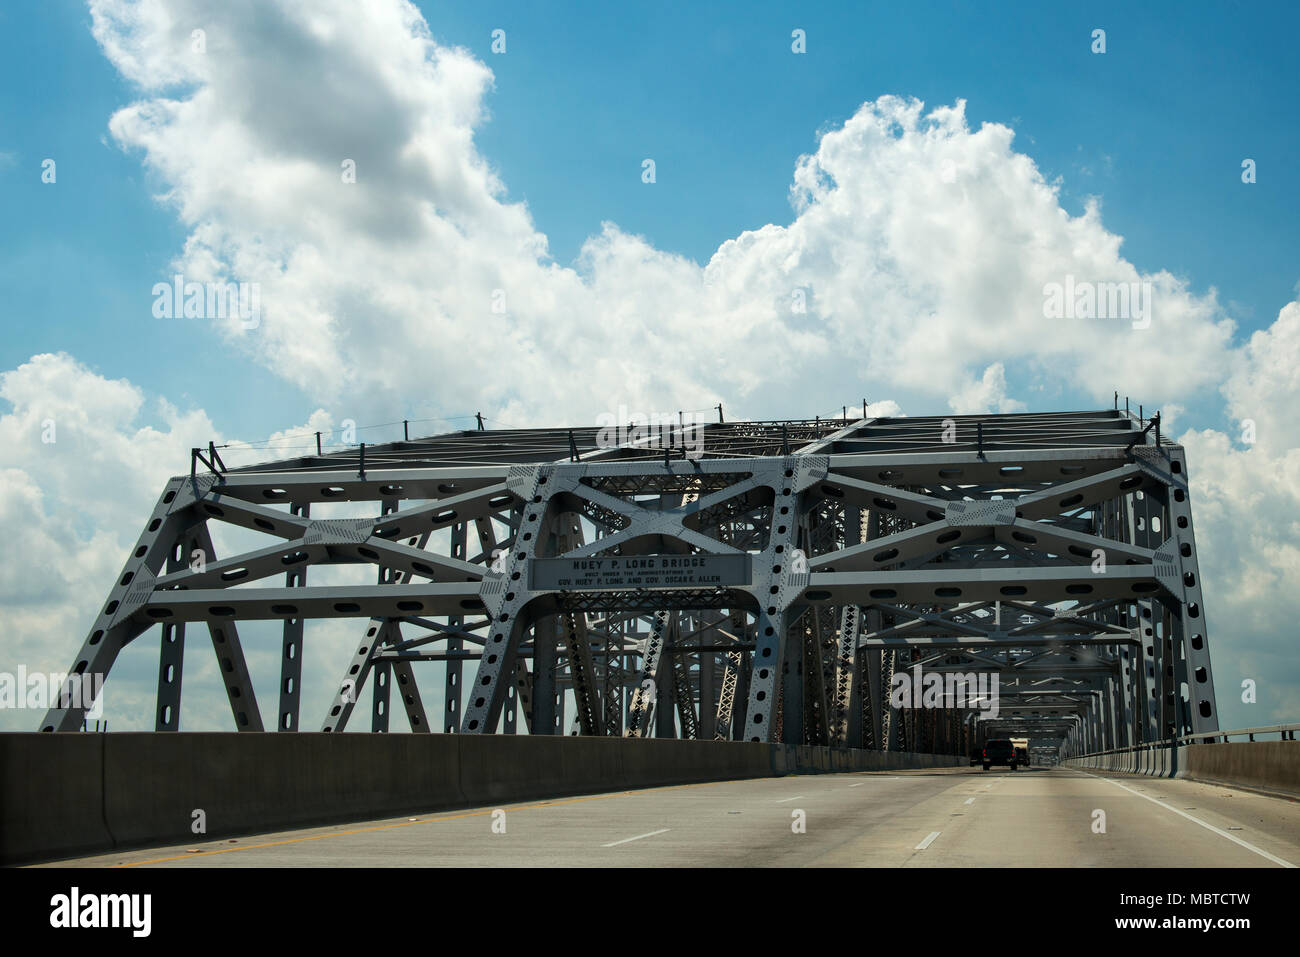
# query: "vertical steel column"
645,697
682,696
846,683
380,690
727,697
454,678
1193,633
792,686
546,714
612,693
1151,650
505,595
171,666
171,655
291,644
665,710
738,725
708,698
776,585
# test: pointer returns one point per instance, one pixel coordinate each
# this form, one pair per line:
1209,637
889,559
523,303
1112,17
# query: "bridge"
711,610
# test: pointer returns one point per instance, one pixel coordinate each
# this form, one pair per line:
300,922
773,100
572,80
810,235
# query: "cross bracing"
745,580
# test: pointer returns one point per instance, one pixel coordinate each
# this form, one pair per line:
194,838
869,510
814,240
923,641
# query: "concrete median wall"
1264,765
63,795
801,759
1267,765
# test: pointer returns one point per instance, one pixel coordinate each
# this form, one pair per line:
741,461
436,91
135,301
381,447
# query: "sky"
449,209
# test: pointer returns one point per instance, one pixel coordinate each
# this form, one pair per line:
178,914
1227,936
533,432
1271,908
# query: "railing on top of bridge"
1287,731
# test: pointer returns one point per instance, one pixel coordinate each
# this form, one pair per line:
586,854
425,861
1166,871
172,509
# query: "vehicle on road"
1022,757
999,751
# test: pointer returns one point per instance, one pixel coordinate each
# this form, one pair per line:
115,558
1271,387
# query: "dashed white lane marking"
795,798
1196,820
637,838
928,841
858,785
970,800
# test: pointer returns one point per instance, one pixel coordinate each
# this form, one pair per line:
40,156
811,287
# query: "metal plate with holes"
981,513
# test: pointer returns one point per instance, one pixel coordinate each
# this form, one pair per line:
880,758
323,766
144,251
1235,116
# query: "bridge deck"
944,818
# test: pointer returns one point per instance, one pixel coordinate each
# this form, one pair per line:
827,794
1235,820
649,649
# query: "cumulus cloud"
915,261
1246,502
987,394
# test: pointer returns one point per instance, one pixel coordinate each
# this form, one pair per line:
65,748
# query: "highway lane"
952,817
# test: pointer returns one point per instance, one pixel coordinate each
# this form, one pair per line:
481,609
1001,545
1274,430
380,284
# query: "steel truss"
1055,551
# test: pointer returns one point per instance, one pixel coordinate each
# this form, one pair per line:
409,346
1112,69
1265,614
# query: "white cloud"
986,394
1246,504
921,247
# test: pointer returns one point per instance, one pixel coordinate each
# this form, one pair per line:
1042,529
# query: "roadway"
952,817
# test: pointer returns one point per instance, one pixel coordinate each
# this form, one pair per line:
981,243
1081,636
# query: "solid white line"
928,841
795,798
970,800
637,838
1222,833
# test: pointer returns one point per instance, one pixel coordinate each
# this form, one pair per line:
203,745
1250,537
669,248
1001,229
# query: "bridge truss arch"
770,581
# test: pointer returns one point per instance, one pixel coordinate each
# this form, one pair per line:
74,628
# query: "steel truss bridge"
768,589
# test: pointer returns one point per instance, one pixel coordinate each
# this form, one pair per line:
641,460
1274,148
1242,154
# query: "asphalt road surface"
953,817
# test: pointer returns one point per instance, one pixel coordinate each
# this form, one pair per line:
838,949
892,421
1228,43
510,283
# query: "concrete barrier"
64,795
1270,766
1266,765
153,783
50,797
657,762
502,768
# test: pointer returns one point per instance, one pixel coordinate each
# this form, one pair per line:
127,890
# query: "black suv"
999,751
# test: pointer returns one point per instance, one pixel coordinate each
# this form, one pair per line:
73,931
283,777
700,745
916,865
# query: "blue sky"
1156,128
925,288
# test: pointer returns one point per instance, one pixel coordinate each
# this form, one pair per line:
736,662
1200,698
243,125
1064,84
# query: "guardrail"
1272,766
1153,758
1287,731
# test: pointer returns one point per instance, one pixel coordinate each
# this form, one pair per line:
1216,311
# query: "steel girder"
1051,549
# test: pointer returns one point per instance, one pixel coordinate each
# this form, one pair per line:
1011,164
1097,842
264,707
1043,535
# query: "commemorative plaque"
638,571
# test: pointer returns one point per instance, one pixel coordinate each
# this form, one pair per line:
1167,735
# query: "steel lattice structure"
769,589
